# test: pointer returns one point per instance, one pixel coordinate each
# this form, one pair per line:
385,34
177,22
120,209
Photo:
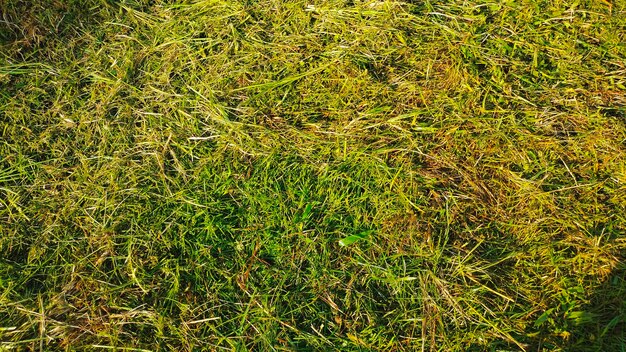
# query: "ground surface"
313,175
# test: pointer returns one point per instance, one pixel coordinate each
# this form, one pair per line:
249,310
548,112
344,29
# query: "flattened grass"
323,175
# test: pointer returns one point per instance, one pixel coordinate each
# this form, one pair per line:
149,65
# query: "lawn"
312,175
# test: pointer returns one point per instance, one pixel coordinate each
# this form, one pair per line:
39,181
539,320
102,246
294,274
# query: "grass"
259,175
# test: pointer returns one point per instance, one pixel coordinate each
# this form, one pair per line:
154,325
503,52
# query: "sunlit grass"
312,175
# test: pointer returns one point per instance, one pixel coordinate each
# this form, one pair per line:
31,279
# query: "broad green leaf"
544,317
353,238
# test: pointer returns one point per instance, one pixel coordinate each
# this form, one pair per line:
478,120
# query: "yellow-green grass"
260,175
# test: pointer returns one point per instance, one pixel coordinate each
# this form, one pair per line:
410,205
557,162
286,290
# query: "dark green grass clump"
312,175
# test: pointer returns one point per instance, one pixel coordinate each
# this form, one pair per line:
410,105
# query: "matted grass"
258,175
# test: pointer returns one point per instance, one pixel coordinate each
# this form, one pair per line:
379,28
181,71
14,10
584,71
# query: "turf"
265,175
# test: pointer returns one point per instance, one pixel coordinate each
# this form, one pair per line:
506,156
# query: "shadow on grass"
601,323
587,314
28,27
609,301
